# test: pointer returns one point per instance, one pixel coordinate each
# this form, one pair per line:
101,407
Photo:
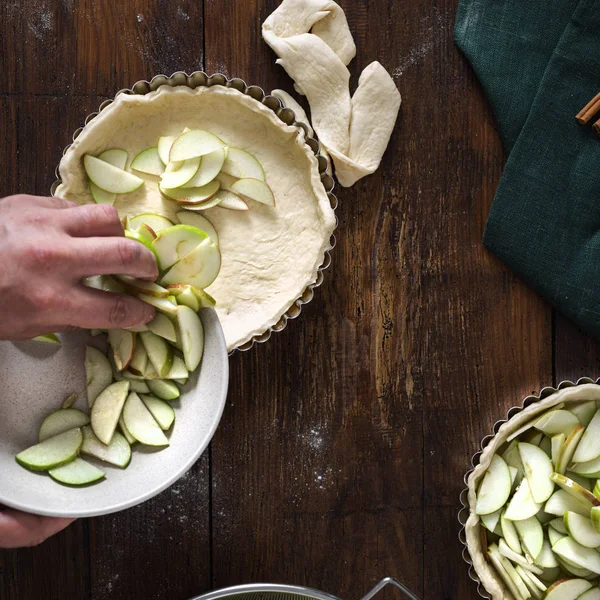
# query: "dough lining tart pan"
489,585
285,118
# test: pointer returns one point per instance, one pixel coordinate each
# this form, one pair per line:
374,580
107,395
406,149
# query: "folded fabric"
314,45
545,219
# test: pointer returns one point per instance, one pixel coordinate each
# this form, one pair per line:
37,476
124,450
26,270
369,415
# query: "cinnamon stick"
589,110
596,127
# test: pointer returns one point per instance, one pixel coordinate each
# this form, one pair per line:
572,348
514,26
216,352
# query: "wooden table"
340,456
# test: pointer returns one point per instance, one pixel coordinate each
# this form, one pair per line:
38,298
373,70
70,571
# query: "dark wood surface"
340,456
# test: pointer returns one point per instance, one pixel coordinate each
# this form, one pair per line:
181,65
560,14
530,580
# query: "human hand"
48,246
18,529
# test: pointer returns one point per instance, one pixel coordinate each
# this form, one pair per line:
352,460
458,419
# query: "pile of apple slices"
539,504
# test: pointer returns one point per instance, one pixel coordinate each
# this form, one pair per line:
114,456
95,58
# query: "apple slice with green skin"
162,326
560,502
584,482
176,179
174,243
77,472
137,237
156,222
512,457
98,373
554,536
557,421
559,524
141,424
584,411
139,362
191,334
164,148
198,268
596,490
205,300
117,453
490,521
122,343
522,505
508,573
243,165
495,486
148,161
181,381
60,421
138,286
146,232
531,535
583,496
546,558
589,445
162,304
506,551
254,189
185,296
159,352
193,144
110,178
125,432
163,389
567,450
532,437
510,535
581,530
47,338
162,412
192,196
589,469
582,557
210,167
595,518
200,206
557,441
546,446
538,468
231,201
535,592
593,594
201,222
567,589
53,452
107,409
117,158
570,568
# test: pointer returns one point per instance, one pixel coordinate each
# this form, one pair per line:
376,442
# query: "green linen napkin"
539,62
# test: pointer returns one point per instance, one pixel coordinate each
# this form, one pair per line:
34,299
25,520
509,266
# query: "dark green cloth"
539,63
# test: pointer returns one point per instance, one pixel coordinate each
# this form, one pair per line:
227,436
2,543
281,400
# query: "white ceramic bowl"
35,378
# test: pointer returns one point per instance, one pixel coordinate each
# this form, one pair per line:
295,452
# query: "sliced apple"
191,197
546,558
538,469
98,373
198,268
70,400
531,535
159,352
201,206
495,487
512,458
532,437
109,178
508,573
596,490
522,505
139,286
557,442
593,594
180,381
536,593
122,343
491,520
567,589
254,189
191,334
193,144
506,551
210,167
60,421
165,144
163,389
243,165
176,179
77,472
554,535
47,338
567,450
156,222
148,161
146,232
176,242
559,524
584,411
510,535
162,412
581,530
162,304
117,453
107,409
201,222
52,452
138,237
557,421
126,434
117,158
582,557
583,496
546,446
141,424
584,482
162,326
589,469
185,295
589,445
139,362
560,502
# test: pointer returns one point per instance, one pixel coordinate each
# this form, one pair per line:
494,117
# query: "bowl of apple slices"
141,404
531,510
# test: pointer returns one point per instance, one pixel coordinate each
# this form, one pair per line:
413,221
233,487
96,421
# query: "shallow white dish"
35,378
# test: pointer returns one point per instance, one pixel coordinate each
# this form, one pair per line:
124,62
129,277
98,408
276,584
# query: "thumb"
18,529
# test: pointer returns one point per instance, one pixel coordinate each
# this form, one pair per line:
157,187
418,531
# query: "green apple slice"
165,390
146,232
593,594
554,535
585,497
191,334
584,411
508,574
122,343
178,290
162,304
589,445
243,165
193,144
109,178
139,362
538,469
148,161
491,520
117,453
584,482
104,283
185,296
546,558
159,353
567,589
254,189
231,201
60,421
559,524
512,457
98,373
117,158
107,409
191,197
178,370
510,535
522,505
595,518
531,535
596,490
77,472
506,551
557,421
141,424
176,179
546,446
532,437
176,242
164,148
138,237
210,167
139,286
126,434
162,412
560,502
198,268
47,338
581,530
202,223
557,442
582,557
200,206
162,326
181,381
567,450
589,469
495,487
533,589
156,222
53,452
